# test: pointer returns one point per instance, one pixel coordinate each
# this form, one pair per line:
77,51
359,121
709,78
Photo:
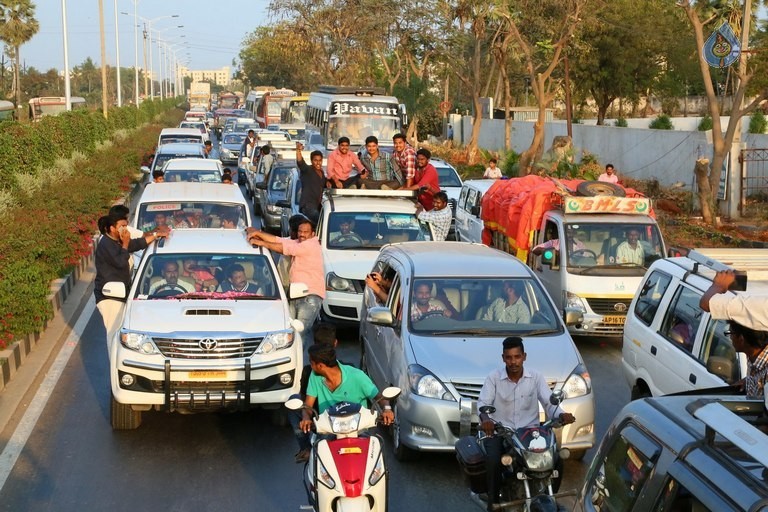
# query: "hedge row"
44,236
29,147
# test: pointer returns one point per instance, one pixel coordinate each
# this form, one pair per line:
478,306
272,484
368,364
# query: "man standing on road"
515,393
405,158
112,259
312,182
425,180
382,172
306,267
344,167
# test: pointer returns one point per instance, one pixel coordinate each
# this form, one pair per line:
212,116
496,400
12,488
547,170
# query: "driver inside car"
424,305
170,280
345,232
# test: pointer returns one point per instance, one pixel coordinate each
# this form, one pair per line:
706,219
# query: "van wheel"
640,391
600,188
402,452
123,417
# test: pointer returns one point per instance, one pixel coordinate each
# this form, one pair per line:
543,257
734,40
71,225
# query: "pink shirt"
610,179
340,166
307,264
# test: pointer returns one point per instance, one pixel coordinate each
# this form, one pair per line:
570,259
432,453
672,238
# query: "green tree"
278,55
17,26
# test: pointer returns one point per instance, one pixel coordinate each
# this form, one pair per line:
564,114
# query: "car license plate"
207,375
614,320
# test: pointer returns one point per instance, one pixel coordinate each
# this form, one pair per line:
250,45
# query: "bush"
662,122
705,123
509,163
757,123
621,123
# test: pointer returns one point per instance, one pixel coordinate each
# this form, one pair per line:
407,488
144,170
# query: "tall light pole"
151,65
135,51
67,86
104,106
117,60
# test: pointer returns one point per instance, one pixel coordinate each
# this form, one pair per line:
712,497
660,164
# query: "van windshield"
190,214
493,306
369,230
207,276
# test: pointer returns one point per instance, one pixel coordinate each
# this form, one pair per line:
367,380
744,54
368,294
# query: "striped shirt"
406,161
380,167
440,220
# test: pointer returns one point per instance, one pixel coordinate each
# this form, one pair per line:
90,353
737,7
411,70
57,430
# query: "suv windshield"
492,306
193,176
367,230
189,214
447,176
206,276
162,158
234,138
278,179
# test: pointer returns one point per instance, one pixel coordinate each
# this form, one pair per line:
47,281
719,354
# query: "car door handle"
692,378
653,350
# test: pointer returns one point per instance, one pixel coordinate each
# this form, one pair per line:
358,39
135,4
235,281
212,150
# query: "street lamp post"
117,60
67,86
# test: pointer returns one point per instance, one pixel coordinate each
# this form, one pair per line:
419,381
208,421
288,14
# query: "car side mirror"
298,290
573,316
475,210
391,392
556,397
487,409
114,290
379,315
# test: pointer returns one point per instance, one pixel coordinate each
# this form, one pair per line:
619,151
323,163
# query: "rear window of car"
189,214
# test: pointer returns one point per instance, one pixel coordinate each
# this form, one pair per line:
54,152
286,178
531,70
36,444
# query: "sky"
214,30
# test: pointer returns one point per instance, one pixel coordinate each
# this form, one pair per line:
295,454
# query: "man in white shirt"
515,393
609,175
630,250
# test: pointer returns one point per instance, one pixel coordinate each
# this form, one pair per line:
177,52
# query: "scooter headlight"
539,461
378,471
323,476
345,424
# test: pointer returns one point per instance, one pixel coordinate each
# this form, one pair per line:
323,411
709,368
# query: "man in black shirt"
112,264
313,182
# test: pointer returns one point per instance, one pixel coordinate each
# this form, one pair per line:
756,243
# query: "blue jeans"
294,418
306,309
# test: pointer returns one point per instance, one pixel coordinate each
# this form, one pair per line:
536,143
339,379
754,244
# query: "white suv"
190,342
672,345
354,225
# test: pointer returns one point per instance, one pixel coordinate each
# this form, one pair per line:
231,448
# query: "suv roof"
190,192
442,259
181,148
351,200
698,269
209,241
181,131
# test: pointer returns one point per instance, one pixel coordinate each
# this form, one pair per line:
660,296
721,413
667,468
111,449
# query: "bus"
52,106
228,100
296,110
354,112
269,109
7,111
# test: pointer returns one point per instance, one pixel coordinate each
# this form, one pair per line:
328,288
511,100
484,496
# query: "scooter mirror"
556,397
391,392
294,404
487,409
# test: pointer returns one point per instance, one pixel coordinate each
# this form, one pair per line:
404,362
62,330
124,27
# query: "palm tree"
17,26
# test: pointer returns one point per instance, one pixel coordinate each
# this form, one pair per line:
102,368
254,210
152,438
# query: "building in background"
221,76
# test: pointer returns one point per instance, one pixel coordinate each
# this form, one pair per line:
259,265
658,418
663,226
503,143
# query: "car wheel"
402,452
639,391
600,188
123,417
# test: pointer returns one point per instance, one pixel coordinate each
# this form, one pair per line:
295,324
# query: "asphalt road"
73,461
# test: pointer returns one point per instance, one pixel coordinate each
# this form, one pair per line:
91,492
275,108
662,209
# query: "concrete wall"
640,153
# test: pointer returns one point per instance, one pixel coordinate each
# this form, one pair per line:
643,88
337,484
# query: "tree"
701,15
278,55
17,26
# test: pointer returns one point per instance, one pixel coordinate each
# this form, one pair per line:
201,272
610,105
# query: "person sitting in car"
345,232
423,303
510,308
237,281
170,281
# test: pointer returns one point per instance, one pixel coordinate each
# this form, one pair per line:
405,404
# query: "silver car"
272,191
440,360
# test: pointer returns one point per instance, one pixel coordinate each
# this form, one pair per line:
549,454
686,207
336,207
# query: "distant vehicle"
7,111
354,112
52,105
230,147
272,191
296,110
228,100
296,131
180,135
269,109
196,125
469,223
169,152
197,170
200,94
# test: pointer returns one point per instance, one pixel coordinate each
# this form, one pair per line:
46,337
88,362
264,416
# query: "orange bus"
269,109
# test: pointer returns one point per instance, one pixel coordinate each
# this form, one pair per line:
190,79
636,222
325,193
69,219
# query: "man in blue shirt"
332,382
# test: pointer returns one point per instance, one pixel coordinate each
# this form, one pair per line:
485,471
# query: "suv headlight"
424,383
276,341
225,152
579,383
574,301
339,284
138,342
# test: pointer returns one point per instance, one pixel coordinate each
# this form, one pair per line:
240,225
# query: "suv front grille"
467,390
608,306
207,348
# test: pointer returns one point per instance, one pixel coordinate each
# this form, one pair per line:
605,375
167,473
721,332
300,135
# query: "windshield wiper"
467,331
541,331
614,266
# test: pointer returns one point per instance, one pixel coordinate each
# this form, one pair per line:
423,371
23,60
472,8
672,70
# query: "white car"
202,170
191,342
354,225
469,224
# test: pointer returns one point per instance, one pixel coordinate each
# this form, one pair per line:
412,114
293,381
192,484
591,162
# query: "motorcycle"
346,471
531,465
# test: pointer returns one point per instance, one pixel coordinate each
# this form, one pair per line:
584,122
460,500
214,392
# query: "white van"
469,225
190,205
672,345
182,135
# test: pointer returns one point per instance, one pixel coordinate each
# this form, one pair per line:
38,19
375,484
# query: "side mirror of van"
573,316
114,290
475,210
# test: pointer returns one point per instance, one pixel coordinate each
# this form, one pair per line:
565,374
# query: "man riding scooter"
515,394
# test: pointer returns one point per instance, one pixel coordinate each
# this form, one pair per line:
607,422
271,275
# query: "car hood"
471,359
231,147
168,316
351,264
